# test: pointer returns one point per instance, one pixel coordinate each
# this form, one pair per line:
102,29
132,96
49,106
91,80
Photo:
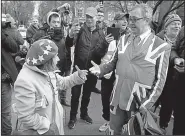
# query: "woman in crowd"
172,27
36,90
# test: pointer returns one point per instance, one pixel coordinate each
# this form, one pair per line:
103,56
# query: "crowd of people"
139,61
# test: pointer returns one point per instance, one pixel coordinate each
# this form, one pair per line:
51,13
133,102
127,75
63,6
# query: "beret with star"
40,52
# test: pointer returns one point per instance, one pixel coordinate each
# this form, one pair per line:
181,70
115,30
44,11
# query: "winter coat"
30,32
89,46
15,34
142,71
31,90
8,46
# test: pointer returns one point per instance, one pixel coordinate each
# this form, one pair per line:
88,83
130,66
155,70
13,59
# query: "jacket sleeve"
109,66
19,39
69,81
29,36
25,105
8,43
161,69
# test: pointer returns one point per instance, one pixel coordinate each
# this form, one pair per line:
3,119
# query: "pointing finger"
77,68
93,63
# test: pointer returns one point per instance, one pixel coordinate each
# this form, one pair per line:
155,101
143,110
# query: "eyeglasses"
134,19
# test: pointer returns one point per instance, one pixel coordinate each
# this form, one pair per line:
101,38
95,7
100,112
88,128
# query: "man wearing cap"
91,44
171,29
8,76
141,63
107,82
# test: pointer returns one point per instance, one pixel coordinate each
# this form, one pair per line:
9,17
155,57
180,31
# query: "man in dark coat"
33,28
177,59
8,76
91,44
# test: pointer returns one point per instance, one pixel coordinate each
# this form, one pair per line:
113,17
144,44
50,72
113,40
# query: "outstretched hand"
95,69
82,73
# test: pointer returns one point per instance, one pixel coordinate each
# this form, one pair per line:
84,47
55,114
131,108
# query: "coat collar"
35,69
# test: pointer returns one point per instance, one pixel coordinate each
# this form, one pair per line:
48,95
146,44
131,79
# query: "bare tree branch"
156,6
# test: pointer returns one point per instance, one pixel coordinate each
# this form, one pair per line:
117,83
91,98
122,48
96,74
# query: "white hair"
146,10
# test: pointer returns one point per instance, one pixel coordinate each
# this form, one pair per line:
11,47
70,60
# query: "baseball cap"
91,11
120,16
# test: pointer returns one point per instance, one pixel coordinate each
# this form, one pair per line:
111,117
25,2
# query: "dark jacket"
15,34
9,46
89,46
59,40
30,32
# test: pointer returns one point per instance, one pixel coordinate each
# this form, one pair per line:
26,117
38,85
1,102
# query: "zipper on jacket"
88,53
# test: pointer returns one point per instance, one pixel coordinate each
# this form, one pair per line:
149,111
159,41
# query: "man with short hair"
91,44
107,82
33,28
141,63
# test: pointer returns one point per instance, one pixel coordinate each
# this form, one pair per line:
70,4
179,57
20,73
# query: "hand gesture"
95,69
109,38
82,73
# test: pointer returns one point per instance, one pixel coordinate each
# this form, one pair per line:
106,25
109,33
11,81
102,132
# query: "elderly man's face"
173,28
136,21
55,22
91,21
122,24
35,22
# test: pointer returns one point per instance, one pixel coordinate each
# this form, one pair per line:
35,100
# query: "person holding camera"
90,44
107,82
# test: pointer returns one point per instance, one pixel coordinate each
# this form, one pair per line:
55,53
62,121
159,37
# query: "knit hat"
120,16
170,18
91,11
52,13
40,52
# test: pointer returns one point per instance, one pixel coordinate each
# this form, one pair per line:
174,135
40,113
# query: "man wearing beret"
141,63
